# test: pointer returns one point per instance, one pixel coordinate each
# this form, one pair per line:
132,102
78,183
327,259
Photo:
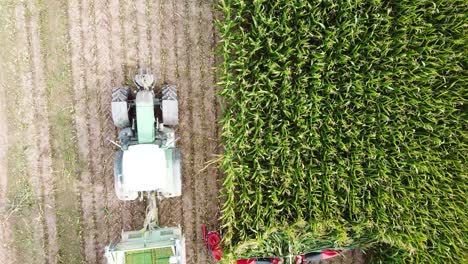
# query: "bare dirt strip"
5,232
88,242
34,231
43,141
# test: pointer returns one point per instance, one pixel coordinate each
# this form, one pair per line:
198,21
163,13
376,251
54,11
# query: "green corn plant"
345,125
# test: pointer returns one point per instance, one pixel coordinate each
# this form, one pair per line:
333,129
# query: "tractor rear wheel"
120,107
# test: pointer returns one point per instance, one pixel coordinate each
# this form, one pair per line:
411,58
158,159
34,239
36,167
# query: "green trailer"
159,246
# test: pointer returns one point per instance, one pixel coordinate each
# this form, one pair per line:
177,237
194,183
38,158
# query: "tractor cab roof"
145,168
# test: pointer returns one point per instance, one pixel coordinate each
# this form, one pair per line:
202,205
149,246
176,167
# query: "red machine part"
213,243
271,260
300,259
317,256
328,253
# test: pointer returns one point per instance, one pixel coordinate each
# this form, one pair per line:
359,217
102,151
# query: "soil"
65,57
58,64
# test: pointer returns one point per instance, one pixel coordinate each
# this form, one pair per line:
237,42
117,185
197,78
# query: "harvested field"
59,62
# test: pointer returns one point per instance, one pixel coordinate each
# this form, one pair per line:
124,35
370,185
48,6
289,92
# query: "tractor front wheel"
170,108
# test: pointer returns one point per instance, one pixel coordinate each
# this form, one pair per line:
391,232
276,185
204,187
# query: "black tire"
124,136
120,94
169,92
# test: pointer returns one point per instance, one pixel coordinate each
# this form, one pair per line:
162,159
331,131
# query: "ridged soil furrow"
125,209
168,40
95,121
217,59
155,23
163,32
78,23
185,130
115,43
142,30
168,76
204,116
116,72
130,37
5,234
176,30
209,117
196,153
149,17
104,88
25,76
5,129
43,141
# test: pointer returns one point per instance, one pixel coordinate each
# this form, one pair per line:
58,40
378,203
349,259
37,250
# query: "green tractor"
147,162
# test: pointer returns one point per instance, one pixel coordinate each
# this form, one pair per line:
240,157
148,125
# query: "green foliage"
349,119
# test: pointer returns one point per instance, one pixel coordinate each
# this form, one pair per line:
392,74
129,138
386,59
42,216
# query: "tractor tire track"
77,22
44,144
27,100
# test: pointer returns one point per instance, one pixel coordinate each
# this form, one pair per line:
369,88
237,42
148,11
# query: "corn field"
345,125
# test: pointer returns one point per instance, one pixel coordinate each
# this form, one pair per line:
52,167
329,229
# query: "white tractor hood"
145,168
